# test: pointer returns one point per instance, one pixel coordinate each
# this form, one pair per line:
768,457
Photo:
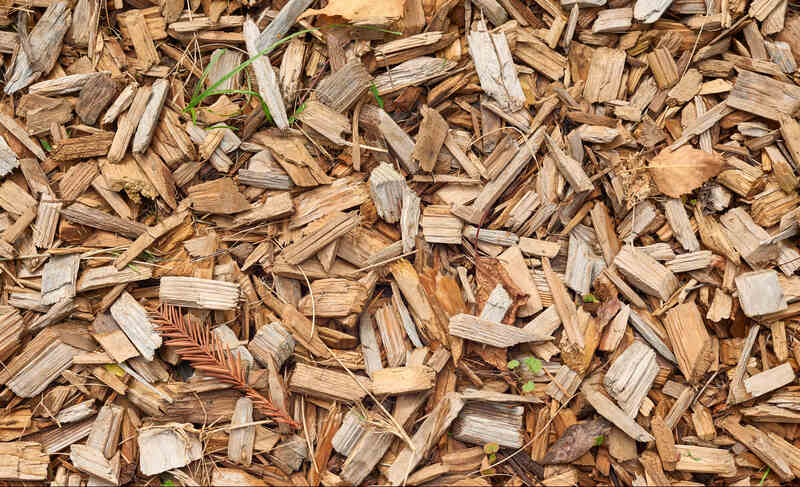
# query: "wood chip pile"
399,242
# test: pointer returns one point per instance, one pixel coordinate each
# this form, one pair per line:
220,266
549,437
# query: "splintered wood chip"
684,170
354,10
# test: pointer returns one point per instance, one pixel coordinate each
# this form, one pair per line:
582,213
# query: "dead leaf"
353,10
576,441
681,172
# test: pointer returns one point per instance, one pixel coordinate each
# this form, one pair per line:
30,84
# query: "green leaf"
513,364
599,440
589,298
491,448
533,364
492,458
168,483
46,145
528,386
374,90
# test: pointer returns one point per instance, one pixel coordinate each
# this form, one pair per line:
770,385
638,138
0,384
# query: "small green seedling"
528,386
598,441
513,364
533,364
589,298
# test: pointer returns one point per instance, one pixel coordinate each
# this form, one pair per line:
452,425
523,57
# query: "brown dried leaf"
576,441
681,172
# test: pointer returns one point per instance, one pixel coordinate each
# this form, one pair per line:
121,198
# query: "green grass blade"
214,58
198,97
374,90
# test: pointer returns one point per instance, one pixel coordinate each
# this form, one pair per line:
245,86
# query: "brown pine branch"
195,343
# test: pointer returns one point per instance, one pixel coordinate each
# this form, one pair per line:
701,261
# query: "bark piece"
399,141
339,386
439,225
127,123
132,318
663,67
23,460
193,292
769,380
428,433
763,96
495,188
649,11
95,96
564,384
678,220
613,20
402,380
265,76
495,68
481,423
242,438
646,273
47,216
569,167
699,459
149,120
760,293
344,86
491,333
146,53
167,447
762,445
430,138
91,460
690,340
45,41
631,376
100,277
387,188
111,337
516,268
606,408
59,277
326,121
563,305
334,227
38,364
392,336
605,73
218,196
411,73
